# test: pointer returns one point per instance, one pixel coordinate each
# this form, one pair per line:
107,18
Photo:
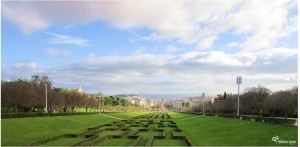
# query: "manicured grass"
125,115
218,131
64,142
117,142
202,130
169,142
21,131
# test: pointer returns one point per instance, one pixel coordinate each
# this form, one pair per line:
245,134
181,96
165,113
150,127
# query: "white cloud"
220,58
206,43
63,39
257,24
261,23
232,44
171,48
29,65
28,20
211,71
51,52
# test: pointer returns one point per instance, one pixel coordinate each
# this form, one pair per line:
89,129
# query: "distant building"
197,102
180,103
140,101
79,89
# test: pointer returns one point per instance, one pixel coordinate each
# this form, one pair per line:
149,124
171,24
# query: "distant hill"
124,95
161,96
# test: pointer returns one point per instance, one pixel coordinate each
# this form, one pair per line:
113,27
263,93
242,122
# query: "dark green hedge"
21,115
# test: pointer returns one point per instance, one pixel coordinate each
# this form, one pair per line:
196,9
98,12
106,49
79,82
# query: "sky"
152,47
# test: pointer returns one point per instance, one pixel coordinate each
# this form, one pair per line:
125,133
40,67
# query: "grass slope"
20,131
217,131
202,130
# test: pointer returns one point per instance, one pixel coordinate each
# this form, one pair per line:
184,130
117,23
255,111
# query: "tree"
187,104
224,96
287,101
124,102
253,99
230,104
18,94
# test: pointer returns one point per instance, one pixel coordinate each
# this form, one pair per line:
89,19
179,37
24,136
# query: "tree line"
29,96
258,101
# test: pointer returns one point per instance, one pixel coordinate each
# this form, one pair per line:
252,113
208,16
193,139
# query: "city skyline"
151,47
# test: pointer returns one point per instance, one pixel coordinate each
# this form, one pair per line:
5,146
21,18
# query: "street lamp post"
238,81
191,105
203,112
100,94
46,80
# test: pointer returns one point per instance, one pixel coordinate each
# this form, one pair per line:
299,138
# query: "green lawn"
218,131
20,131
125,115
169,142
117,142
202,130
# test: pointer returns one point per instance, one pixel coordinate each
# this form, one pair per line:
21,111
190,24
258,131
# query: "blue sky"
152,47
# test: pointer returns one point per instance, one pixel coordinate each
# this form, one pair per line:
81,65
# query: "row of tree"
257,101
29,95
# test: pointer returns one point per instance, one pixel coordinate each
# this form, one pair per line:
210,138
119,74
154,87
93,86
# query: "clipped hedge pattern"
97,135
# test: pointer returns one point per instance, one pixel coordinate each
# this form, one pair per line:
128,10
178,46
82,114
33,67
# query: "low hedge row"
87,141
282,121
118,135
274,120
136,141
189,141
38,143
163,136
21,115
179,137
99,141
